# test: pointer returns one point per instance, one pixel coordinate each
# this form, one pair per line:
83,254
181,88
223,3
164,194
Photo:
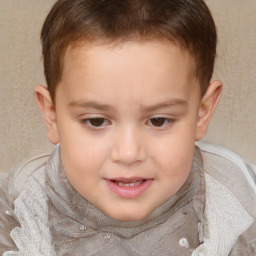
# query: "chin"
128,216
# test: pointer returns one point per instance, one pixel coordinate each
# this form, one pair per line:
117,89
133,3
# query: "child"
128,95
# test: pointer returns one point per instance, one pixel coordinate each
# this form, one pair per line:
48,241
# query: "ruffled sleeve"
7,219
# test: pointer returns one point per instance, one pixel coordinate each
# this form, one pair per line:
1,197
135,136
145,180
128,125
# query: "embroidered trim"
33,237
226,219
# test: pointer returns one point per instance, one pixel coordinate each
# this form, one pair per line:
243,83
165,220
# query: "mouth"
128,182
129,187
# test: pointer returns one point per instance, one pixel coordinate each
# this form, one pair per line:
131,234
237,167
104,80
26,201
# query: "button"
107,236
83,228
184,243
8,212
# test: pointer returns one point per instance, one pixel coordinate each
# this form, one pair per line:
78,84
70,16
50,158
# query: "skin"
130,111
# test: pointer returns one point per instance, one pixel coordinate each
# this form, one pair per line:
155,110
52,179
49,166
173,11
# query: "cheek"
81,168
84,161
176,168
80,149
82,158
175,154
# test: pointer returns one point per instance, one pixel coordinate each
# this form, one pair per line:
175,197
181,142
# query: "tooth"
122,184
132,184
135,183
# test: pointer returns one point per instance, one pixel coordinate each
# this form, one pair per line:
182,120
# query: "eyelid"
169,120
85,121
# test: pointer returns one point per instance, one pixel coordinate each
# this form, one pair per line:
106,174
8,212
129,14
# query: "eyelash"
88,122
102,122
166,122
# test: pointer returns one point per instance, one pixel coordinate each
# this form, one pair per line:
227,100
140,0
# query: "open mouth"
129,187
128,184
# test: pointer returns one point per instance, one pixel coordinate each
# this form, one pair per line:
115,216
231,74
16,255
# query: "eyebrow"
149,108
166,104
90,104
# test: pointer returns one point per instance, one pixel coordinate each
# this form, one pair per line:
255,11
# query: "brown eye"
158,121
97,122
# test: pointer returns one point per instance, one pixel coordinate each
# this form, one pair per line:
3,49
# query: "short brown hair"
187,23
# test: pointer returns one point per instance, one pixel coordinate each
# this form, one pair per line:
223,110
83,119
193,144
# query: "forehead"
97,52
153,64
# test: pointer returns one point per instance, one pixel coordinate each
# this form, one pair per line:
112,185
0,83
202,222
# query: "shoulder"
230,209
23,171
232,172
21,191
224,156
7,222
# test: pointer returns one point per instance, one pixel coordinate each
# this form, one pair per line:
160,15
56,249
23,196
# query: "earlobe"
207,107
47,108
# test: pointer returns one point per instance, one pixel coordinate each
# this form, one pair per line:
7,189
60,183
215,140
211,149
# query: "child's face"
127,118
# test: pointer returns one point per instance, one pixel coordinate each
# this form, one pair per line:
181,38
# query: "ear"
207,107
47,108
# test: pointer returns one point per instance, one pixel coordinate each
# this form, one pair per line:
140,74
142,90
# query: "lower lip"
127,191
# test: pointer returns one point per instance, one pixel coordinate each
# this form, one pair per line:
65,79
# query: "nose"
128,147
